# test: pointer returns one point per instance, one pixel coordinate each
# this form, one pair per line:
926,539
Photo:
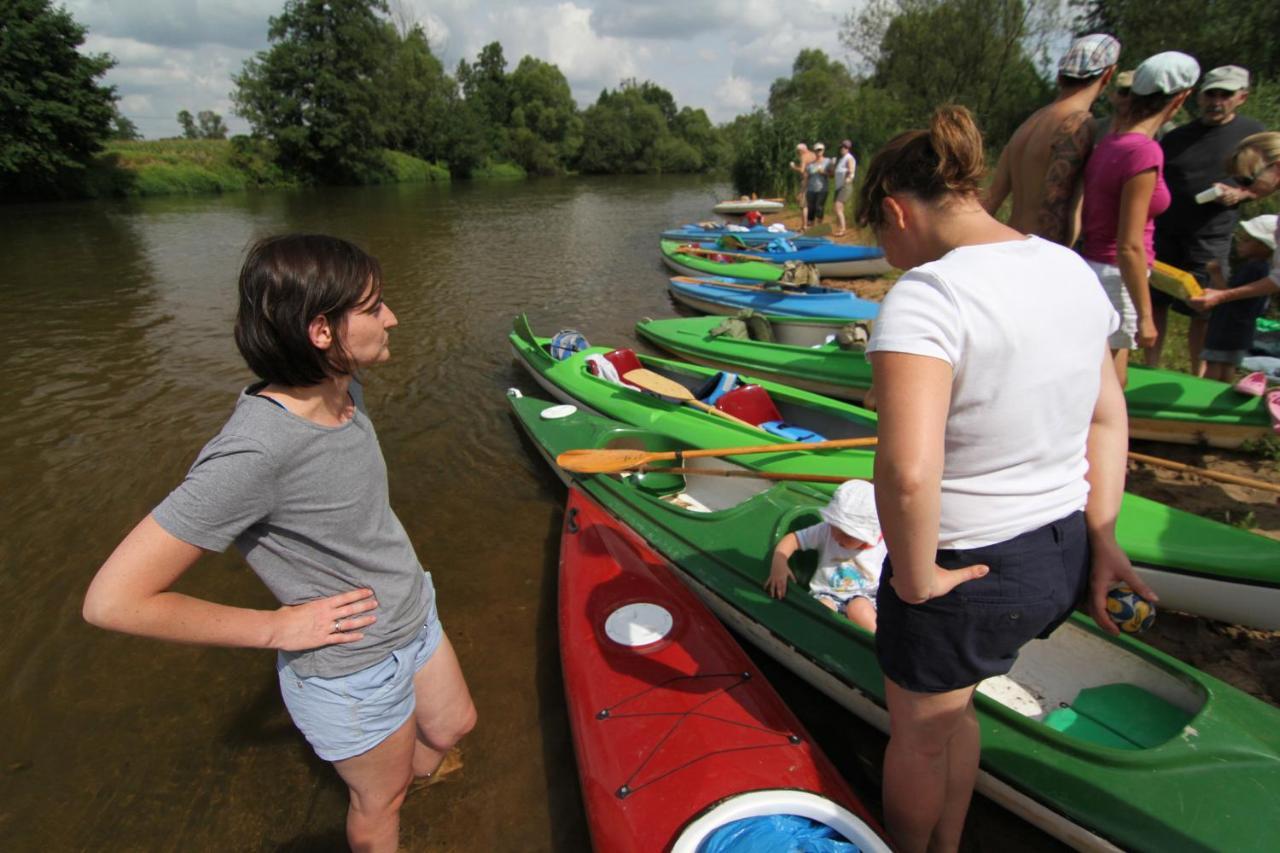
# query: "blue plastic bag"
779,833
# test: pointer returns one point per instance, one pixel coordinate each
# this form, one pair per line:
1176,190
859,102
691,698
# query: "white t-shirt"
1024,326
845,168
842,572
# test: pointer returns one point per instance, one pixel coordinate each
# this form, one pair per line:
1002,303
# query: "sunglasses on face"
1217,94
1248,180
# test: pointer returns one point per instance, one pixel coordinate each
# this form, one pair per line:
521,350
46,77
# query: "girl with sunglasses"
1256,167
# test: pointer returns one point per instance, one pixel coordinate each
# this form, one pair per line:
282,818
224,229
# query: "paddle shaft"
755,475
685,279
1221,476
698,250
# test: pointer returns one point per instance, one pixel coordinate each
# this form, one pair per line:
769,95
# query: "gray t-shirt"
307,507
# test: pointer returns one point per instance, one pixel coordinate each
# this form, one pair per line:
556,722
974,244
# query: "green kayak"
686,263
1196,564
1104,743
1163,405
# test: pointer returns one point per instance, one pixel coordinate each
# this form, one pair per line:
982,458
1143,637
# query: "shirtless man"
801,164
1044,160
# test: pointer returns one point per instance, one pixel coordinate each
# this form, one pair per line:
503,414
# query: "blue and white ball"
1130,611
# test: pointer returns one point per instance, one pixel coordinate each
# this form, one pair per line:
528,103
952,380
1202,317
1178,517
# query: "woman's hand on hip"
323,622
940,581
1110,567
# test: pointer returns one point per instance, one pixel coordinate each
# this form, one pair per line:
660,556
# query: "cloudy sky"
720,55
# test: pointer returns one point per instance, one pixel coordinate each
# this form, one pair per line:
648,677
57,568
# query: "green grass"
202,166
489,171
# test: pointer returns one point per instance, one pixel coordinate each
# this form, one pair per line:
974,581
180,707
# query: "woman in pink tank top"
1124,191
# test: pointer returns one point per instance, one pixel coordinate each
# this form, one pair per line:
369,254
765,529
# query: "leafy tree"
188,124
694,127
486,88
210,125
923,53
817,83
619,132
317,92
546,131
1224,33
54,114
763,145
416,100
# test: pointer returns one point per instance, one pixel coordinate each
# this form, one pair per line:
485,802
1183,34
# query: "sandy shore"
1244,658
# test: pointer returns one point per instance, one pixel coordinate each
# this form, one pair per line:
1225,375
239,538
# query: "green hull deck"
1196,564
1163,405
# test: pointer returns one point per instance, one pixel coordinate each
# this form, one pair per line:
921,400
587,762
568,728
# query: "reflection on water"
119,364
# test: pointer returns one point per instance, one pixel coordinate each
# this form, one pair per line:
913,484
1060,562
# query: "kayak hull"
670,717
729,296
1163,405
1212,784
1166,542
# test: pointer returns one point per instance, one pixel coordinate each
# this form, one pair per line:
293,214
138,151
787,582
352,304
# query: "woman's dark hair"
1145,106
286,282
944,160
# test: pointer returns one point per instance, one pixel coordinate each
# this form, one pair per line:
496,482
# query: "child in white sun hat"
850,550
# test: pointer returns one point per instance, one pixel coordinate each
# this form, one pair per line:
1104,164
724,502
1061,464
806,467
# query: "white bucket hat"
1261,228
853,509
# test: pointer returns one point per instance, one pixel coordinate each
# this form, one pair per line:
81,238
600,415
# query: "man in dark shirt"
1190,233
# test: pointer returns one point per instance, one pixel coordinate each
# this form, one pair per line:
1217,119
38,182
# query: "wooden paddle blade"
658,384
607,461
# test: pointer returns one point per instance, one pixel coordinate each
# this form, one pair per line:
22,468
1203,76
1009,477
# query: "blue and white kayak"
728,296
694,233
834,260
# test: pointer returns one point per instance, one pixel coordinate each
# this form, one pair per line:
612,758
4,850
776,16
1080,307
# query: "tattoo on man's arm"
1068,152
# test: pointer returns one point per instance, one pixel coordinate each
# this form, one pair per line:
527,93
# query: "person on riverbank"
1231,326
1124,191
1192,232
1042,165
296,481
996,515
1255,165
801,165
850,555
817,181
846,170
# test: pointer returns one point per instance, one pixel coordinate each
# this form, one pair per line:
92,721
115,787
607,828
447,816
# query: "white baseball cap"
853,509
1168,72
1261,228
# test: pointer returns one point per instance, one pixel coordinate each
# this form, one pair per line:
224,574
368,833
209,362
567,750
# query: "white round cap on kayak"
638,624
553,413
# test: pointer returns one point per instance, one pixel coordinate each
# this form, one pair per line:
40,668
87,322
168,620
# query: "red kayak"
676,731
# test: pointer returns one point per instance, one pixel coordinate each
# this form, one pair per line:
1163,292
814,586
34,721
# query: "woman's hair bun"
957,143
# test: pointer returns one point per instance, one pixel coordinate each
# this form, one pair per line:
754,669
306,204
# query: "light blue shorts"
345,716
841,600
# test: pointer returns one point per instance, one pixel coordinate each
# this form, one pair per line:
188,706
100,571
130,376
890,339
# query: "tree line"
344,81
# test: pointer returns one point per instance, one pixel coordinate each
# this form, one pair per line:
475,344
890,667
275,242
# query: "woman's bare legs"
930,767
378,779
445,712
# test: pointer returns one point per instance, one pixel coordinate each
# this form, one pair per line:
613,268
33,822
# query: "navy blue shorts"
976,630
1190,253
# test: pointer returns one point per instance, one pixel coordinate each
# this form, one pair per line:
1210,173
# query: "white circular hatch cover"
638,624
552,413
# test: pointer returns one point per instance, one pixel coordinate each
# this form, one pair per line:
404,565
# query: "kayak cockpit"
756,804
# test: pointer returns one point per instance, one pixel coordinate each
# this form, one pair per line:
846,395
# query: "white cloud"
736,94
720,55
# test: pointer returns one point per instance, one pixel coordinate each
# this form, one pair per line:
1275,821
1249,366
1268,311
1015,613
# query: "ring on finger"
336,629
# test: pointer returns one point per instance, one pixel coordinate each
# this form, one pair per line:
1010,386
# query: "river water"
118,364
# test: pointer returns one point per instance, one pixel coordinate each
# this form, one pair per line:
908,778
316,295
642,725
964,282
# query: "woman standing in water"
1001,461
297,482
